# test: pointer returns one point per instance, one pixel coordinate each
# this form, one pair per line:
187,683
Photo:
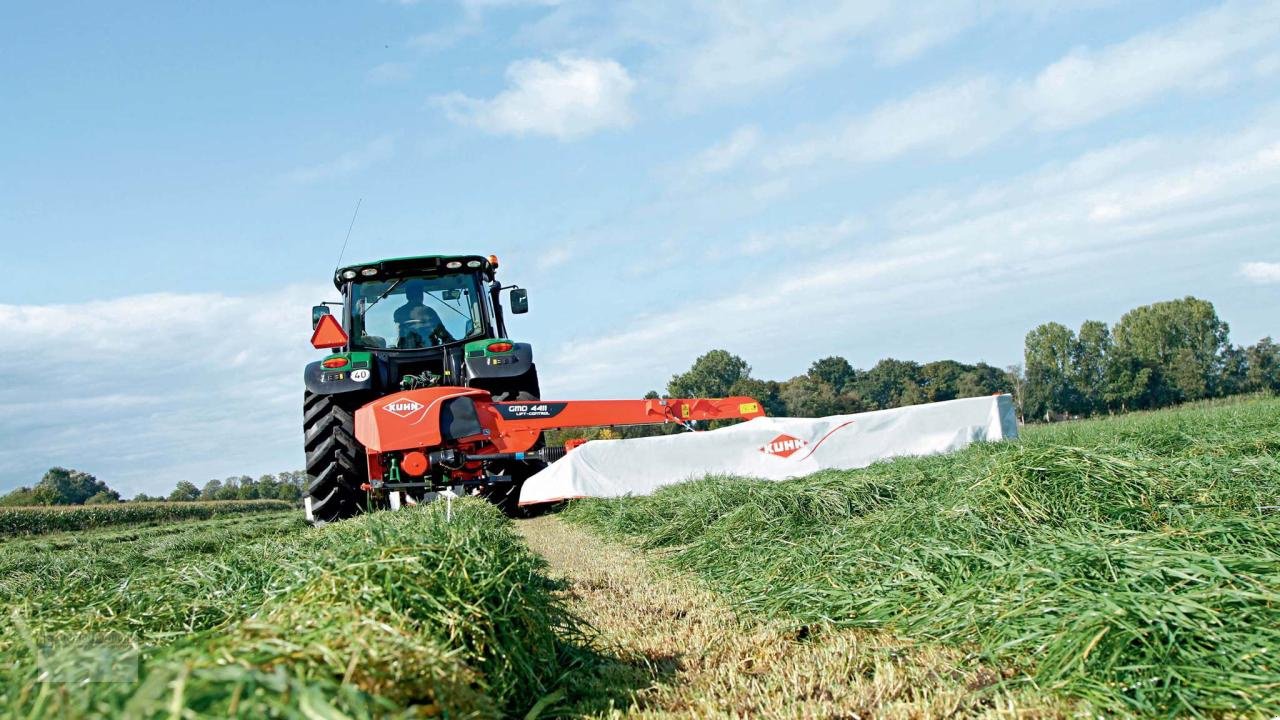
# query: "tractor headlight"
369,272
454,265
474,264
349,275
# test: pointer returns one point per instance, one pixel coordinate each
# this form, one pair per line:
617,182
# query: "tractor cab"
420,321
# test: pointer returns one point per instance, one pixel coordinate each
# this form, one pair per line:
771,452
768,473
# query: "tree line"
1155,356
63,486
832,386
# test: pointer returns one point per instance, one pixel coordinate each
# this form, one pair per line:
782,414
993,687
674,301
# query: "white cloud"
348,163
1090,84
1262,273
952,119
1166,200
710,51
1200,53
754,46
807,239
731,50
151,389
567,98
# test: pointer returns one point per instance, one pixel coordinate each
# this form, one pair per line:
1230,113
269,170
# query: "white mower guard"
772,449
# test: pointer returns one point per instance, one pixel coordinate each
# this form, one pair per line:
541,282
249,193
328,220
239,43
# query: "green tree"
1235,371
296,478
1264,366
1168,352
289,492
268,487
835,372
211,490
711,376
981,380
940,380
62,486
890,383
1089,358
1048,354
185,491
230,489
104,497
829,388
804,396
21,497
248,490
1188,378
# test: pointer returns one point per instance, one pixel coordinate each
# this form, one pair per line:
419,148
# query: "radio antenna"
343,251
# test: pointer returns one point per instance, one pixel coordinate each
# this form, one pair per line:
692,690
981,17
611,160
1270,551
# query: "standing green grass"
1130,565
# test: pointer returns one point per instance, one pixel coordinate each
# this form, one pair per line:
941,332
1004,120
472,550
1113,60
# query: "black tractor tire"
335,460
507,495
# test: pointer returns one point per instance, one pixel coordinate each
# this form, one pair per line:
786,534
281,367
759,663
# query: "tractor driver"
420,326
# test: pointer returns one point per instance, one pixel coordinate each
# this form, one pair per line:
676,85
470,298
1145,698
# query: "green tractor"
405,323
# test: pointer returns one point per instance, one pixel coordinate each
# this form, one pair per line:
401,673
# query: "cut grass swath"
392,614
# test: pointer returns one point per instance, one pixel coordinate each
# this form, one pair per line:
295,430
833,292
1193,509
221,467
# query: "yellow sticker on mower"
748,408
685,411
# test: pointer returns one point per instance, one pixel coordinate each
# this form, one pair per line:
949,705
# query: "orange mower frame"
439,437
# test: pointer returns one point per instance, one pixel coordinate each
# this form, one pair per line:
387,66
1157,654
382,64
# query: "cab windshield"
409,313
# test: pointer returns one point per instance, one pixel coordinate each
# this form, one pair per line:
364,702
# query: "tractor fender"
330,382
515,364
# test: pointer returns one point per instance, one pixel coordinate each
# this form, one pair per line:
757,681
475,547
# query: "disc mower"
423,390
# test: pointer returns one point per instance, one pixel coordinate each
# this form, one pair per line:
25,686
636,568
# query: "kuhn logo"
402,408
784,446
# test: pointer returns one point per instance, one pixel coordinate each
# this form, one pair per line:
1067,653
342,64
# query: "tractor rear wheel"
335,460
507,495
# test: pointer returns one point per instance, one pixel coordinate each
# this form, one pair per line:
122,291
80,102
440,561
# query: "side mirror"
318,312
519,301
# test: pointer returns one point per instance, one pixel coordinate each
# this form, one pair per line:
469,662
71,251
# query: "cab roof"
418,265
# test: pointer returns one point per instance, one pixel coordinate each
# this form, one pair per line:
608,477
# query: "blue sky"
784,180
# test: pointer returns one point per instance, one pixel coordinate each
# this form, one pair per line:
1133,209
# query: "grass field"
1118,567
36,520
1128,566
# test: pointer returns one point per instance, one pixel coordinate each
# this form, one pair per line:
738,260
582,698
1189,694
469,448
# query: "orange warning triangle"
328,334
